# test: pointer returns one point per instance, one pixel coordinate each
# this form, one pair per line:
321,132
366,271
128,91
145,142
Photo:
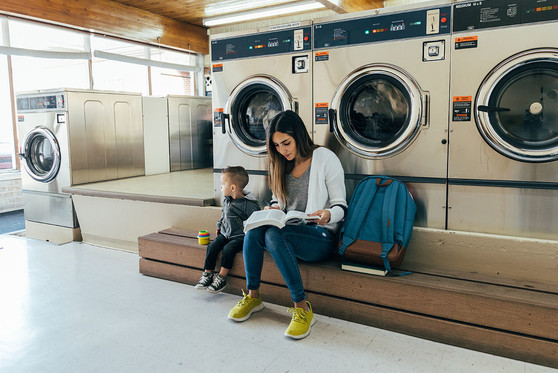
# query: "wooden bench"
504,320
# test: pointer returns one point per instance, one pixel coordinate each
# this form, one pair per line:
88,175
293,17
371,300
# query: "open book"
277,218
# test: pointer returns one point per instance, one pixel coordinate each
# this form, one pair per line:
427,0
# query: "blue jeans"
310,243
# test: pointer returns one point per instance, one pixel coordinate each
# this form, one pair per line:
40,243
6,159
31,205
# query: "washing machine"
256,75
503,158
70,137
177,133
381,87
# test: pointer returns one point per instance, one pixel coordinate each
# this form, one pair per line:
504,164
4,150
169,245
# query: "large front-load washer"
503,161
381,87
70,137
256,75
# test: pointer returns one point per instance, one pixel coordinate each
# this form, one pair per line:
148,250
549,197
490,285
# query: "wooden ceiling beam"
111,18
349,6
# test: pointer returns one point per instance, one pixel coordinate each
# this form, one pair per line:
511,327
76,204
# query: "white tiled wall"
11,197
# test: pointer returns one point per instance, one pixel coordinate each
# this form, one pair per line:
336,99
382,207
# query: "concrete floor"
82,308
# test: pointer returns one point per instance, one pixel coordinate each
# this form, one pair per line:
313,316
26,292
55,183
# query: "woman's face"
285,145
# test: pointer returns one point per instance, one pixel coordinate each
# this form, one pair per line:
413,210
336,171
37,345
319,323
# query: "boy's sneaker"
219,283
301,322
245,307
205,281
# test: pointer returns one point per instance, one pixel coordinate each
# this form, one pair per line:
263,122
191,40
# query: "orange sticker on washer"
462,98
322,104
466,42
321,56
216,68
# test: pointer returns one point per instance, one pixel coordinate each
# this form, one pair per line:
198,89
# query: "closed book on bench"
364,268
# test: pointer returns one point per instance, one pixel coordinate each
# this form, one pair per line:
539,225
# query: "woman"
303,177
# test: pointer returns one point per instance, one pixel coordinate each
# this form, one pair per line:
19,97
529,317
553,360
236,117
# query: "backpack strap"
389,224
357,212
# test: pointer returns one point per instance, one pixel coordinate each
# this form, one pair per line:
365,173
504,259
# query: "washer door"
251,106
41,154
516,107
380,111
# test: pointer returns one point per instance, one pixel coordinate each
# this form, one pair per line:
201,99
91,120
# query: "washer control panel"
412,24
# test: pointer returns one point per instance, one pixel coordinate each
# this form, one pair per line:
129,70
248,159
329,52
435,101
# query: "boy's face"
227,187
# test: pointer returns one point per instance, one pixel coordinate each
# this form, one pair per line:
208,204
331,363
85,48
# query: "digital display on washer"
39,102
411,24
497,13
262,44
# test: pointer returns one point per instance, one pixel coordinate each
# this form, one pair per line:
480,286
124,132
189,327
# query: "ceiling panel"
193,11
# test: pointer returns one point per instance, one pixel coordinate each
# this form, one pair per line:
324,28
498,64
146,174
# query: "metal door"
377,111
517,106
250,109
41,154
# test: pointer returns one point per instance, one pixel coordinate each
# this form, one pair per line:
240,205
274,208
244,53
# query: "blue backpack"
379,223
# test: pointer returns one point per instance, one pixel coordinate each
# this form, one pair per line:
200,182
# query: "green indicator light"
367,32
250,47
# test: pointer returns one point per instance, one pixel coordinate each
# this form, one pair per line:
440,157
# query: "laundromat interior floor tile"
83,308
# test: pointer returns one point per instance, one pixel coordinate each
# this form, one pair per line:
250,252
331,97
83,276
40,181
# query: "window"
168,81
33,72
115,75
7,160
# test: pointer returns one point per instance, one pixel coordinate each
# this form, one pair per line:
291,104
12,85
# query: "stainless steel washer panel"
106,136
189,124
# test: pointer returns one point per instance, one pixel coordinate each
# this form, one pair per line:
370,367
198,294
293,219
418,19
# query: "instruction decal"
462,108
321,113
466,42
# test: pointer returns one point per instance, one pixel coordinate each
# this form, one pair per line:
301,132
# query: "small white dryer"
381,87
256,75
503,159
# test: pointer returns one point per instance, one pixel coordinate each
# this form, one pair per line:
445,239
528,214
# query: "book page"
265,217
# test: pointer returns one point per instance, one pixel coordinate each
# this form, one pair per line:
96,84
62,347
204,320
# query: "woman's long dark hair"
290,123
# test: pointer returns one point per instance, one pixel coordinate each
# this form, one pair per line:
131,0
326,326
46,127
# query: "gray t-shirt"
297,190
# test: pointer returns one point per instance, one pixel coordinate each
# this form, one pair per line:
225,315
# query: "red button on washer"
444,19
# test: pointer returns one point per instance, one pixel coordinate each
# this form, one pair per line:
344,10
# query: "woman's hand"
274,207
324,215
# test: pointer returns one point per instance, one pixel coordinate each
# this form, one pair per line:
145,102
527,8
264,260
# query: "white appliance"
256,75
503,160
381,88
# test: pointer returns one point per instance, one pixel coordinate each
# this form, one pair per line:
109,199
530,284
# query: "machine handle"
223,117
425,109
296,106
492,108
332,119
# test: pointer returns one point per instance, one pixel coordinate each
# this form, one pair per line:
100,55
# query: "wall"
11,197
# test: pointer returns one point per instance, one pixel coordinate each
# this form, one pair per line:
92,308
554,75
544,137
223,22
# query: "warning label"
462,108
321,56
466,42
217,117
321,113
217,68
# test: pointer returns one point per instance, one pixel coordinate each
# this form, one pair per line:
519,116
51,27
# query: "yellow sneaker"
245,307
301,322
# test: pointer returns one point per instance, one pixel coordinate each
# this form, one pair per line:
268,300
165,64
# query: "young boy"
238,205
